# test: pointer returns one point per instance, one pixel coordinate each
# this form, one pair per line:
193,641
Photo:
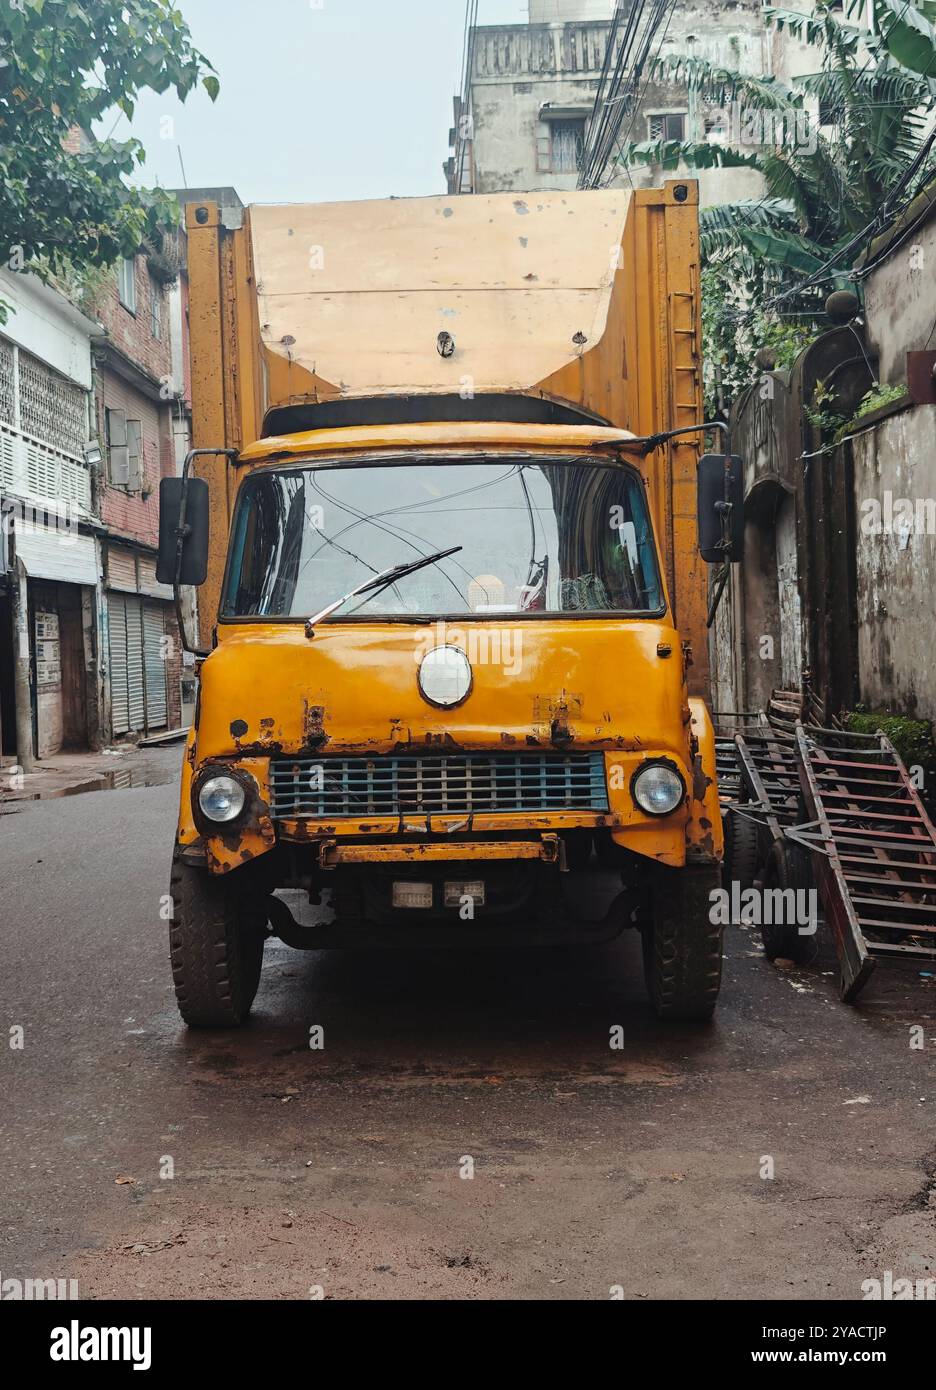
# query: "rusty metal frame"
762,800
854,960
332,854
857,832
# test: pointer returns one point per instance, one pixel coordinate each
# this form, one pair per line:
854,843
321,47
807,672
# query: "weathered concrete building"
835,595
521,122
48,547
894,462
139,402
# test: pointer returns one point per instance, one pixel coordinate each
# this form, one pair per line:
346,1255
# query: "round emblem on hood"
445,677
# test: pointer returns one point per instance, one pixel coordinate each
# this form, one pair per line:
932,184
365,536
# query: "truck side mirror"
720,501
194,567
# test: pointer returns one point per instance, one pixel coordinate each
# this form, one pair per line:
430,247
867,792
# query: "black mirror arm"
725,507
182,531
653,441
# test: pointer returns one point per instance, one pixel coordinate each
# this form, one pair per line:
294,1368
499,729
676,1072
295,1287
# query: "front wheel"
682,946
788,879
216,940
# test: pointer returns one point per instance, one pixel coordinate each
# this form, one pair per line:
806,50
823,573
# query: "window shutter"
126,283
118,454
135,455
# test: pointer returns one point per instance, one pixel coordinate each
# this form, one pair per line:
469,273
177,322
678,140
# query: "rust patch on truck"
553,716
313,725
700,781
442,741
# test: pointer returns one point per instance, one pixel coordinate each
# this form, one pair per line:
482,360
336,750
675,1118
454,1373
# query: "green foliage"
872,400
779,256
731,337
819,412
879,395
908,32
913,738
64,65
785,340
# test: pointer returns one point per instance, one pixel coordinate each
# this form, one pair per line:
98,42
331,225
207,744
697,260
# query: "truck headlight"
657,789
221,798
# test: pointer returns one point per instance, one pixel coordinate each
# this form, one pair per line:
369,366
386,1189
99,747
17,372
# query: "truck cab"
445,695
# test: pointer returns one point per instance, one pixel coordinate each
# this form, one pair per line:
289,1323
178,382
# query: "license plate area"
411,895
457,891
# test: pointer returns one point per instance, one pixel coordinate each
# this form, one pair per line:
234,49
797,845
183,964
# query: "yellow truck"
442,510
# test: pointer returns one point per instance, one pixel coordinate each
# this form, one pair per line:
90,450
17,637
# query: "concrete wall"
557,11
896,562
44,323
900,302
556,60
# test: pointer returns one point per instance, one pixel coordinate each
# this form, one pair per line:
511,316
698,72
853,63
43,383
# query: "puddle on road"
121,779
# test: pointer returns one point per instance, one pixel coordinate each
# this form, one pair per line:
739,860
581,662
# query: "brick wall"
134,513
131,513
132,333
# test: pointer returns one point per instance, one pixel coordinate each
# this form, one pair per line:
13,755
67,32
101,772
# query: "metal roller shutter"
121,570
157,708
117,634
136,689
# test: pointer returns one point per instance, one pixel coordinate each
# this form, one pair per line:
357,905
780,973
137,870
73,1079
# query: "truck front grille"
470,783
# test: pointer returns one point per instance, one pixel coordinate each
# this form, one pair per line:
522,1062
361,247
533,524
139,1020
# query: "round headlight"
445,676
221,798
658,789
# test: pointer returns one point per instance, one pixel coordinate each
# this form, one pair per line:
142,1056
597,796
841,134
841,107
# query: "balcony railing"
32,469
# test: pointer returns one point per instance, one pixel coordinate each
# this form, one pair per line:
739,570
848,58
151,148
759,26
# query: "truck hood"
353,688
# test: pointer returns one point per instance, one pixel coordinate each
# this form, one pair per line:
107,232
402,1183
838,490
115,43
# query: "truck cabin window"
541,537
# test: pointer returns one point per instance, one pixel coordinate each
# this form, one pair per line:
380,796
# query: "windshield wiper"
380,581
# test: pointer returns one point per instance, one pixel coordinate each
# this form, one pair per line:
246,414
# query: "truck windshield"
535,537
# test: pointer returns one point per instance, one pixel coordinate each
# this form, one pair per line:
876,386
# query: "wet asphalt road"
144,1160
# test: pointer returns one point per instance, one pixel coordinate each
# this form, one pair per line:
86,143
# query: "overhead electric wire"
620,78
621,140
614,54
471,24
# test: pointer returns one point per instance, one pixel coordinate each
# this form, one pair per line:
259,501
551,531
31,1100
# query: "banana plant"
827,184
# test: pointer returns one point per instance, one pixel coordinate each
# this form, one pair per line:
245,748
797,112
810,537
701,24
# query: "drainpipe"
19,609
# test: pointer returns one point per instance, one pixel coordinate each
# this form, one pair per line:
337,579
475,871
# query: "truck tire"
787,866
682,947
216,940
742,849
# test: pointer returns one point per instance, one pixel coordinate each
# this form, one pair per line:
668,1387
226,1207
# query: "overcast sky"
320,99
